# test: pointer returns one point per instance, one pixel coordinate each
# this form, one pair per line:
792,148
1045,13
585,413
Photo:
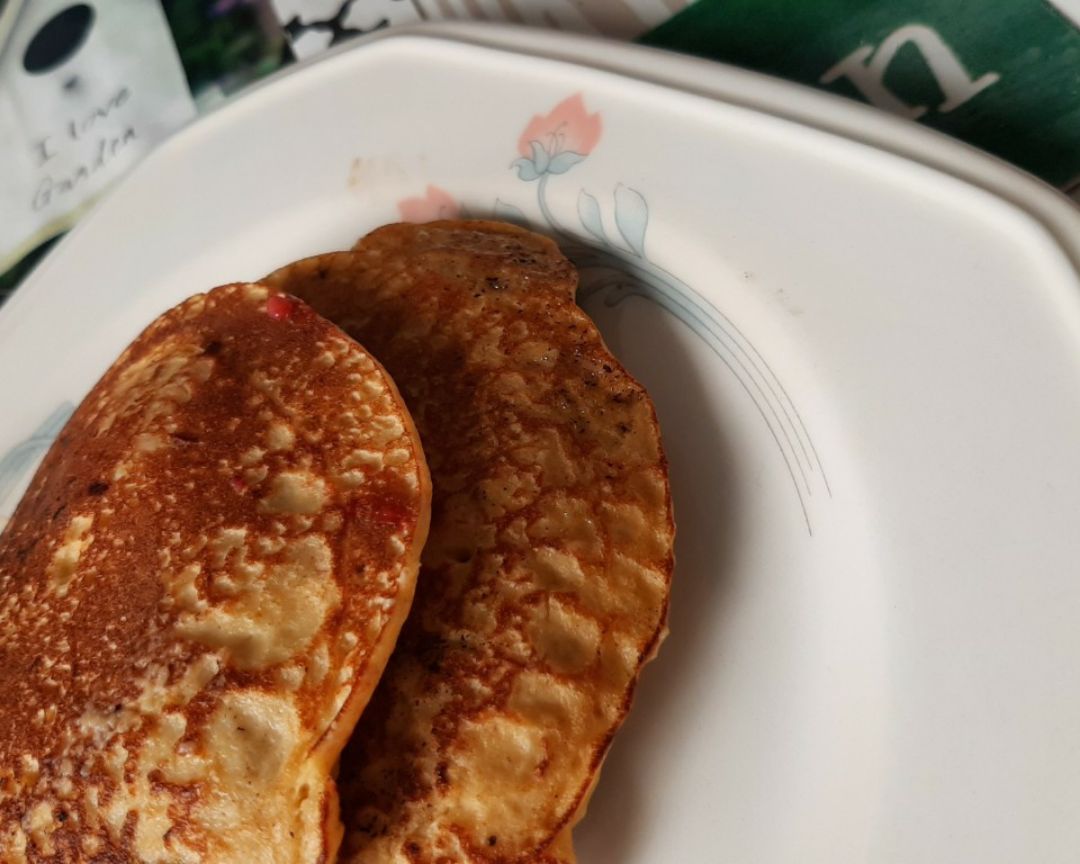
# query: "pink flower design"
435,204
567,127
554,142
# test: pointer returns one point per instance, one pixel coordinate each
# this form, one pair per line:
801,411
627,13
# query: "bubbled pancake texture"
210,556
545,580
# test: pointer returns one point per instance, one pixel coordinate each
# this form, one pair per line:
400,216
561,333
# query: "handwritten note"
70,130
95,146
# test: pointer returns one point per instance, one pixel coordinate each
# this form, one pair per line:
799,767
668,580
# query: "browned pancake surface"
200,589
544,584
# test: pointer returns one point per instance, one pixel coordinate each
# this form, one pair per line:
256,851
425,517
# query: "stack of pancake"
227,633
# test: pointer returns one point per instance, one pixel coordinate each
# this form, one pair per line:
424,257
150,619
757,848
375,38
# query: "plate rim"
716,81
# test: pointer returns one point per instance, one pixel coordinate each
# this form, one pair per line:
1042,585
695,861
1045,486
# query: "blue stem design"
634,273
541,199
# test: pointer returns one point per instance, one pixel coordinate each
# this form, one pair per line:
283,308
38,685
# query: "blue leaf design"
18,459
525,168
539,156
631,217
509,213
564,162
12,467
589,213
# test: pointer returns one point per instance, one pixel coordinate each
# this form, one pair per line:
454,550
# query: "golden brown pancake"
544,583
200,590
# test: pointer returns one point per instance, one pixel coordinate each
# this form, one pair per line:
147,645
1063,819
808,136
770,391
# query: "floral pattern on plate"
614,265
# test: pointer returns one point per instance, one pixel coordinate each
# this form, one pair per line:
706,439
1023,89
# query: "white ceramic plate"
864,344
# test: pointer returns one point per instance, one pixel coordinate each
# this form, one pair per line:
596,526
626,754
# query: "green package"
1003,75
